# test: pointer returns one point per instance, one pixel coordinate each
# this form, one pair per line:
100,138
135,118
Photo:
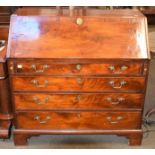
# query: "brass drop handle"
112,121
42,121
122,68
118,101
79,81
34,67
113,84
36,83
37,100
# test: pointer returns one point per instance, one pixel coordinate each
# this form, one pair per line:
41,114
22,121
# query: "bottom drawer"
78,120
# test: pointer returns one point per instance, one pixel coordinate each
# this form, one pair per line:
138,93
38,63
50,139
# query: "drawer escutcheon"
79,81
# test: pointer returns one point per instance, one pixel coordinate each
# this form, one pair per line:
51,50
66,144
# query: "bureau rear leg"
20,139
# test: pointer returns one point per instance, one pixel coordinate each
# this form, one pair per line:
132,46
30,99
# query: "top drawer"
48,68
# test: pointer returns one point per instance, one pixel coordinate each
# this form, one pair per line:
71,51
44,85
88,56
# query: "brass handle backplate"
121,84
36,83
42,121
122,68
114,121
34,67
37,100
118,101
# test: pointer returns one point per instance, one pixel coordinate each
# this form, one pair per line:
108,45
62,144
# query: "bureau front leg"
134,138
20,138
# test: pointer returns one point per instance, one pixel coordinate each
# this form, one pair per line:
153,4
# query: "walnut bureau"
75,73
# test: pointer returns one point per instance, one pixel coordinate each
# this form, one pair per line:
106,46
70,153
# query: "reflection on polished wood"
60,37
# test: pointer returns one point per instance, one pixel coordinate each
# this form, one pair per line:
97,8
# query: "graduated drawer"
78,120
120,68
90,84
29,101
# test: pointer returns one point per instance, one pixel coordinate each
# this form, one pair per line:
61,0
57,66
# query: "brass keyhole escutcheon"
79,21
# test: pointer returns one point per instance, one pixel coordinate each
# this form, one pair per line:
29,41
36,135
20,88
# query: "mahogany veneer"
73,101
5,105
81,72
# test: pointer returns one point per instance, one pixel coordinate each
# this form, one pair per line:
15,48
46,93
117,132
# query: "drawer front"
77,101
78,120
69,69
98,84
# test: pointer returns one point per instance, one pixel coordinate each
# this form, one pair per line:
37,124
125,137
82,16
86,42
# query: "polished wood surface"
5,100
78,120
87,84
4,32
61,37
5,105
64,11
5,13
48,68
80,101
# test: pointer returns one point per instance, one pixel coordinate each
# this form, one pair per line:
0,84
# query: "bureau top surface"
118,34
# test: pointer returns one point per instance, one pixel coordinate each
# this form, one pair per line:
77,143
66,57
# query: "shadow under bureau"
79,74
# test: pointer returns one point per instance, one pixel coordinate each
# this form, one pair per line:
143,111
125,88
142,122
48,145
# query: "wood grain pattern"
78,120
4,32
90,84
5,101
59,37
5,13
46,68
110,101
